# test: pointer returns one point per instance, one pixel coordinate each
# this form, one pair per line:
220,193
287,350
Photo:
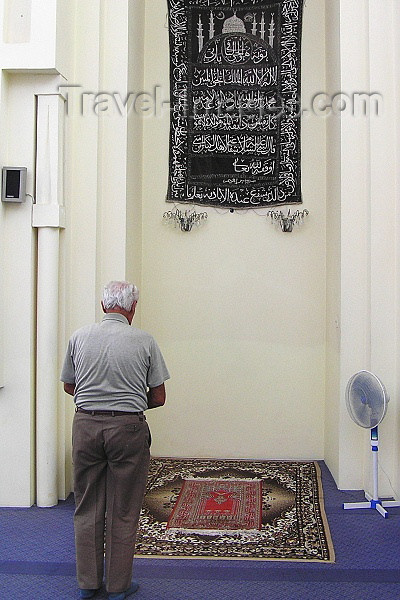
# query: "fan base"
374,504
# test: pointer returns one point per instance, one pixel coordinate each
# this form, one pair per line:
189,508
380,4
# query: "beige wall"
333,235
135,148
237,306
261,330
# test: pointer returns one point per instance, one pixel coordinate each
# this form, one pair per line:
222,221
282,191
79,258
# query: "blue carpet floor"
37,561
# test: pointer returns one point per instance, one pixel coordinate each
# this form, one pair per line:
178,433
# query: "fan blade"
361,413
366,399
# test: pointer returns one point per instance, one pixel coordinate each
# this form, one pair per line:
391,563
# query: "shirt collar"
115,317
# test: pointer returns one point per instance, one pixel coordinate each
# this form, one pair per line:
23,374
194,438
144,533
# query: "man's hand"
69,388
156,396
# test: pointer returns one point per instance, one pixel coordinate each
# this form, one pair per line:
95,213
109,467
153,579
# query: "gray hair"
120,293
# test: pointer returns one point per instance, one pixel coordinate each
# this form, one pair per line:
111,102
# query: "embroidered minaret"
271,31
254,26
212,29
263,27
200,35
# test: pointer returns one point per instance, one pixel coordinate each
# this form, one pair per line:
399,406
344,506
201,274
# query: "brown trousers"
111,461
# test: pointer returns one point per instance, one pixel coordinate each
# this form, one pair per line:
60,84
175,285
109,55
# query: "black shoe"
122,595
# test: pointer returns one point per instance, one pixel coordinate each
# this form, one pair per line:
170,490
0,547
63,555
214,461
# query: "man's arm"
156,396
69,388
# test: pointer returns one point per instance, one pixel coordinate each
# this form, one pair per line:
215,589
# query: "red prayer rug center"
218,504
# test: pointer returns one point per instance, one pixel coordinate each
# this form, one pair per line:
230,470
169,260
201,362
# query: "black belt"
107,413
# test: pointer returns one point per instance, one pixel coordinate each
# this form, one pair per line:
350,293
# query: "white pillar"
396,392
48,217
355,235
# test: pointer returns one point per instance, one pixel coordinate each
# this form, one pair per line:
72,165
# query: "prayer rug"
214,504
235,102
293,521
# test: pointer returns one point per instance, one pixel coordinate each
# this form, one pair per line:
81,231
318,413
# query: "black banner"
235,102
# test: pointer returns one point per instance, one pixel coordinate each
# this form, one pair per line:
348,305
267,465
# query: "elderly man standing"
115,372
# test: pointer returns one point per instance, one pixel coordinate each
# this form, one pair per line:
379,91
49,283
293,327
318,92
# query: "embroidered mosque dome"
234,25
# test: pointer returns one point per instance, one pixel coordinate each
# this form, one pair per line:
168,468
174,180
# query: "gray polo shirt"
112,364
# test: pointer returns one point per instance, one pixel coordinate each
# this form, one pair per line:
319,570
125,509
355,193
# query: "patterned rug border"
324,519
323,513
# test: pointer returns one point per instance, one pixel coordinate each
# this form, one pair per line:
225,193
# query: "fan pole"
373,501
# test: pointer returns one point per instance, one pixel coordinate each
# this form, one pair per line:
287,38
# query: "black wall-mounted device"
13,184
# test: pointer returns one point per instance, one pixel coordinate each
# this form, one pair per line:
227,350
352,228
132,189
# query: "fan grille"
366,399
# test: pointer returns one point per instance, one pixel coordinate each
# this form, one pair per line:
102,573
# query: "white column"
396,392
355,227
48,217
3,133
383,142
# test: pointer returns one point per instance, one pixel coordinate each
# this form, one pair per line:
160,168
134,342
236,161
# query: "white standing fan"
367,400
